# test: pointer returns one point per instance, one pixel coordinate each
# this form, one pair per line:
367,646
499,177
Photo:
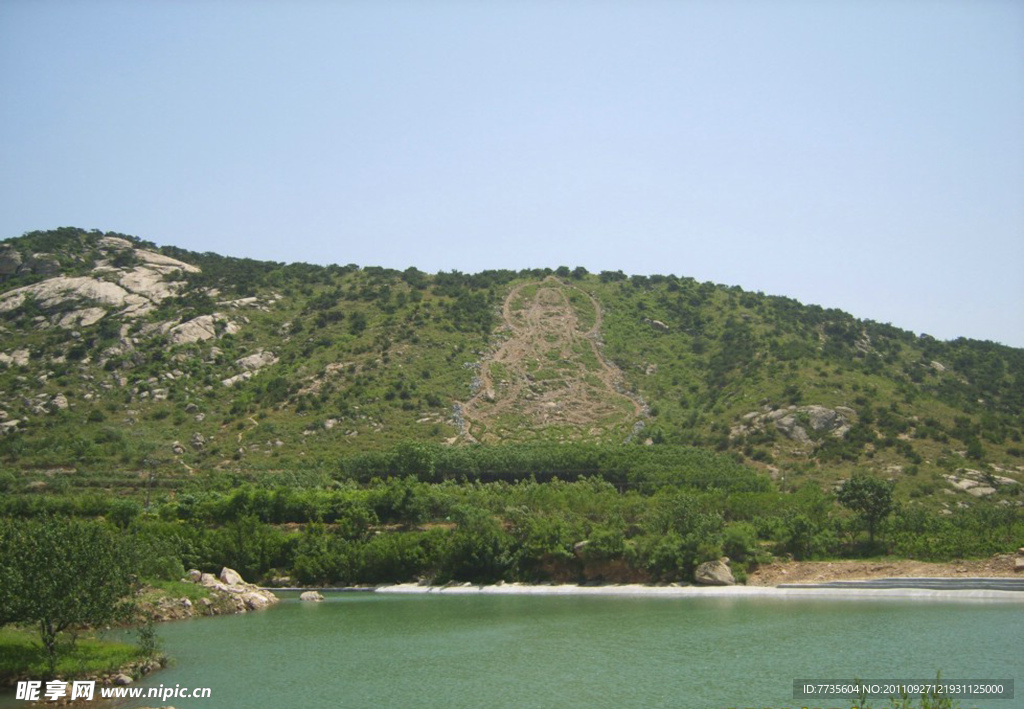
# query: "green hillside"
348,424
118,356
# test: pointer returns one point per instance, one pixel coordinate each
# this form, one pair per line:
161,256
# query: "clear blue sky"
866,155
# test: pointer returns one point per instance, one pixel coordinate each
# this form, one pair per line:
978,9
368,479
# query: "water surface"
372,650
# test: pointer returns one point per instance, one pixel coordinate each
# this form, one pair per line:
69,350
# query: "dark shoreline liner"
924,583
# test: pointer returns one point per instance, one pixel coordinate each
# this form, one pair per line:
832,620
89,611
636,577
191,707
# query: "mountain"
117,355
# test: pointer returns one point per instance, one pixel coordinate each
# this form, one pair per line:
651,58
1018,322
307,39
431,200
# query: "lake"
373,650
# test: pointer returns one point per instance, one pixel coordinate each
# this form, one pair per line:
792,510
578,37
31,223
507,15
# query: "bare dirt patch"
549,373
997,566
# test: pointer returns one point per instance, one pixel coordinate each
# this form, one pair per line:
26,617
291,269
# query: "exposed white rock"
311,596
257,361
149,283
166,264
231,381
59,402
201,328
114,242
246,597
82,318
134,291
55,292
194,330
230,577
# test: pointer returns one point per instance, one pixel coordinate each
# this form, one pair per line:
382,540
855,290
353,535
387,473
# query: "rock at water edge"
231,577
715,573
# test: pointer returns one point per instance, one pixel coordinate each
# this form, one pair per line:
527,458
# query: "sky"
866,155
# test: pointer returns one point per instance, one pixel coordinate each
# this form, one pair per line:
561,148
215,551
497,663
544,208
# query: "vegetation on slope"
660,420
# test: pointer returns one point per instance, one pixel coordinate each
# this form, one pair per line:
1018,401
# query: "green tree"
870,498
61,574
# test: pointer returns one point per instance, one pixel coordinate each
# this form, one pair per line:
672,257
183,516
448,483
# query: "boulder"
1018,564
311,596
210,581
255,599
257,361
791,429
821,418
715,573
195,575
231,577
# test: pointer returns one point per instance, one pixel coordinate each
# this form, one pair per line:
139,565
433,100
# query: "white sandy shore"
639,590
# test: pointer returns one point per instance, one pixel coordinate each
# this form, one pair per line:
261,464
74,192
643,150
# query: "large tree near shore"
60,575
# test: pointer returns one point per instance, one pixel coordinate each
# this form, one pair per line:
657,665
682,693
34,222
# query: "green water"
370,650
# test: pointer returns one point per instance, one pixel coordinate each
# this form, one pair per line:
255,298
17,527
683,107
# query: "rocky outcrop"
803,424
311,596
715,573
244,596
79,301
252,364
59,402
977,483
201,328
228,593
194,330
257,361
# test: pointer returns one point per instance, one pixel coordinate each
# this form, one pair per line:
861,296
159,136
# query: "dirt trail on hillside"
549,371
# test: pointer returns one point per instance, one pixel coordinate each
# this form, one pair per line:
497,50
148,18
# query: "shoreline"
848,591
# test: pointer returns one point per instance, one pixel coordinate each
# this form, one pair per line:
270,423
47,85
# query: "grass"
22,656
176,589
